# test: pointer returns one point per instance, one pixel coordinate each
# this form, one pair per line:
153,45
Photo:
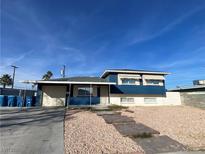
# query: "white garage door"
54,95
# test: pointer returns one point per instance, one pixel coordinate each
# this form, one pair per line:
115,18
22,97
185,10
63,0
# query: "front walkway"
33,131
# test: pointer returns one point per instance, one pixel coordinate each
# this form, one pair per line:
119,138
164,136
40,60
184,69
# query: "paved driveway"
36,131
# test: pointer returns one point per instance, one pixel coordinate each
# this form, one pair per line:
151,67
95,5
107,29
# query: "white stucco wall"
53,95
172,98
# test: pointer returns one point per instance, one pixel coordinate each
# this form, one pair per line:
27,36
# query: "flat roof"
107,71
188,87
81,79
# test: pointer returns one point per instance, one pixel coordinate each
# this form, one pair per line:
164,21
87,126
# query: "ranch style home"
115,86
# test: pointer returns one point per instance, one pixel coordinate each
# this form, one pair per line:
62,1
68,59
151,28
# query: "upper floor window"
155,82
128,81
85,91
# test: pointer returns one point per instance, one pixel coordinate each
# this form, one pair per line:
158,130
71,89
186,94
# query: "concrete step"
159,144
116,118
101,113
133,129
100,108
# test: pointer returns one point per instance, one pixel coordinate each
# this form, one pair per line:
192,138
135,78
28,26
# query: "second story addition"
135,77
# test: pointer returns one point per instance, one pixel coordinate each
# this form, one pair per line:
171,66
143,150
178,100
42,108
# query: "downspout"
69,95
109,94
90,94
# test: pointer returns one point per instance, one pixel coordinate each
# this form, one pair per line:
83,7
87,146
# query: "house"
114,86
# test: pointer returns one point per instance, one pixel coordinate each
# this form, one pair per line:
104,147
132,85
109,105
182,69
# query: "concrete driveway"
32,131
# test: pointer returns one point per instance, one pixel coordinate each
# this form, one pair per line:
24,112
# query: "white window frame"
136,77
150,100
160,82
137,81
127,100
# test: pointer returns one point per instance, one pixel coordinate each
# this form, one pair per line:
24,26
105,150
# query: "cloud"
190,58
5,62
146,37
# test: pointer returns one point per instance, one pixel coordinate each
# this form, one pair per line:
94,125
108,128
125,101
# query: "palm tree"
6,80
47,76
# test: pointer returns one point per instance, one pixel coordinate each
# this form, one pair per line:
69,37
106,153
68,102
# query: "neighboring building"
115,86
199,82
192,95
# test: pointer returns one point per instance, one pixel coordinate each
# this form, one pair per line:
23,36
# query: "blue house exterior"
112,76
114,86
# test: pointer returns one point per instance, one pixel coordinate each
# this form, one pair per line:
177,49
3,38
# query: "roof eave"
65,82
145,72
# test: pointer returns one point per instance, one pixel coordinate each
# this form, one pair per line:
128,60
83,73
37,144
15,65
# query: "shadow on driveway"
36,130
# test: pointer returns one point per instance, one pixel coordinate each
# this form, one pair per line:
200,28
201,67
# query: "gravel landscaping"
85,132
182,123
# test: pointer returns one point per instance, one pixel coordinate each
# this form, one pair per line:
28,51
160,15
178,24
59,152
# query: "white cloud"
5,62
142,34
188,59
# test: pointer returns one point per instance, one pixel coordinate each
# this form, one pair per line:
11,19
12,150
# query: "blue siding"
84,100
140,89
112,78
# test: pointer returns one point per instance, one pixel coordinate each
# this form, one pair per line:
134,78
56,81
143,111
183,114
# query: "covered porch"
88,94
73,91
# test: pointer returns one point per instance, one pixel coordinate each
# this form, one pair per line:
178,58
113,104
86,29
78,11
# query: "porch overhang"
66,82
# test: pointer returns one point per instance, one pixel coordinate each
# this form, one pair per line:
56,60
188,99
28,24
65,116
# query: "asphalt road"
33,131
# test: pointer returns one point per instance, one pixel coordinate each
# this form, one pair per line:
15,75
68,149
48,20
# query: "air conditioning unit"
199,82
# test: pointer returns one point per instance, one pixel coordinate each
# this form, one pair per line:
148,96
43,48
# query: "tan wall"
172,98
195,98
104,95
53,95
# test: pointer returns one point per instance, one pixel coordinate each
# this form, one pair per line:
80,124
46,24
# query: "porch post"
109,94
90,94
69,95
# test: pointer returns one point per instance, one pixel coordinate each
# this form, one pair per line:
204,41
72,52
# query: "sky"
91,36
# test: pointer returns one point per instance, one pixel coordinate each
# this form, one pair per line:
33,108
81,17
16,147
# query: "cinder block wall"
196,99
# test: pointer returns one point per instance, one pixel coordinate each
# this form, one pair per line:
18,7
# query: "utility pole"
63,71
14,71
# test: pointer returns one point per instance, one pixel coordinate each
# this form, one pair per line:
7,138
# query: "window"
154,82
85,91
129,81
126,100
150,100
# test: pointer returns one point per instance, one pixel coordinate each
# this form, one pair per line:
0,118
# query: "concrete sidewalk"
37,130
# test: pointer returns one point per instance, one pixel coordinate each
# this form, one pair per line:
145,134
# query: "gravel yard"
182,123
85,132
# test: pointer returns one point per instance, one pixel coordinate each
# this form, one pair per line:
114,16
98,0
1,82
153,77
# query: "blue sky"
90,36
